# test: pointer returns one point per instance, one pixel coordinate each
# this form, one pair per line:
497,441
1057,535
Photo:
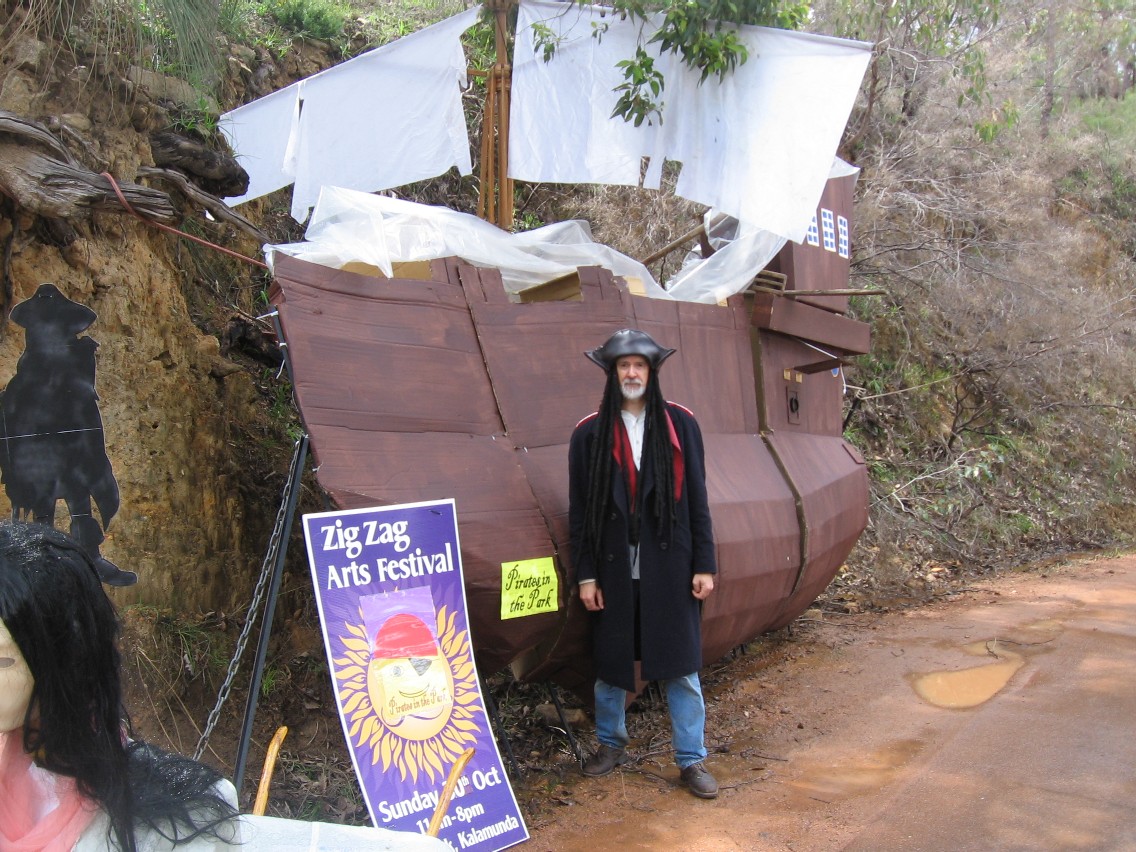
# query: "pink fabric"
26,792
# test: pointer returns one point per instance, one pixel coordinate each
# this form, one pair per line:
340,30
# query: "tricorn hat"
629,341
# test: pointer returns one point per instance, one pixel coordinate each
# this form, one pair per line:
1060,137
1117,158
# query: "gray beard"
632,393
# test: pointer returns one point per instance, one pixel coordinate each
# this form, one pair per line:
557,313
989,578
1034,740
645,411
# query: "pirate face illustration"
408,679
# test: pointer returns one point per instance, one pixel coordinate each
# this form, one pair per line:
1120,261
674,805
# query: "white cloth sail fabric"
259,134
758,145
388,117
348,225
563,132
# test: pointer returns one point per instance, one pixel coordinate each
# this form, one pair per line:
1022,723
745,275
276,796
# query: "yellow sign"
528,587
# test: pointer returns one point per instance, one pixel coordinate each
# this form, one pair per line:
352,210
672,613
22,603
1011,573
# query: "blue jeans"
687,710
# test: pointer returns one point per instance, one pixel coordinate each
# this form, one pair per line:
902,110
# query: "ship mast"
495,198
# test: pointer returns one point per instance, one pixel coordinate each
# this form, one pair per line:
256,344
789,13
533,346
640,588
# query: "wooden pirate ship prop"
438,385
448,376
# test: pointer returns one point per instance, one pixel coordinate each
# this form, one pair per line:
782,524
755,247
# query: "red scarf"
621,452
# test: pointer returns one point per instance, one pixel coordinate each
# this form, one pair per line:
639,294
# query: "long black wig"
657,451
54,606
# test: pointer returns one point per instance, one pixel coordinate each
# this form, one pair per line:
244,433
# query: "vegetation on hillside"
996,407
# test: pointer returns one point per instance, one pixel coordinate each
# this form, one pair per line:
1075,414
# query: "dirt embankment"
196,453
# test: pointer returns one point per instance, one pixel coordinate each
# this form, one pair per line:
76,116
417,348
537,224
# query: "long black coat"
669,616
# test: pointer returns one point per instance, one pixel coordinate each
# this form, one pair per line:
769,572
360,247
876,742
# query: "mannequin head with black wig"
75,725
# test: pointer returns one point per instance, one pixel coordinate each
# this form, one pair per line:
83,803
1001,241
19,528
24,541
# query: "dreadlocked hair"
657,447
601,464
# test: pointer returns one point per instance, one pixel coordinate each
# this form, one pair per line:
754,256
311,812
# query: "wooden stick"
505,211
504,78
261,803
447,793
488,209
799,293
673,244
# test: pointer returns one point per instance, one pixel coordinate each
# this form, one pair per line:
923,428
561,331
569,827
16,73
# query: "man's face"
632,372
16,683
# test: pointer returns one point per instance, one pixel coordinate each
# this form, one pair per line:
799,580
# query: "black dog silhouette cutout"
51,433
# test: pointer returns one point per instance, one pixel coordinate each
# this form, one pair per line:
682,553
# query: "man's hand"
591,595
702,586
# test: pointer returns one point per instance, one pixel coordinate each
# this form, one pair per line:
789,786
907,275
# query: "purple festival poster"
392,604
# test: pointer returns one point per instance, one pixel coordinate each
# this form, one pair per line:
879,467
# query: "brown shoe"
604,761
700,782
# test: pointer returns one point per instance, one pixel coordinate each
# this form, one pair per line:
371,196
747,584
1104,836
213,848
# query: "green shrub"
323,19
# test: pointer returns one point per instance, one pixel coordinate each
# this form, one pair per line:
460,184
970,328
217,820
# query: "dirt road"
1003,718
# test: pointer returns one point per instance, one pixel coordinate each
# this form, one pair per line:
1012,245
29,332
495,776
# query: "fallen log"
15,125
51,187
218,208
41,176
218,172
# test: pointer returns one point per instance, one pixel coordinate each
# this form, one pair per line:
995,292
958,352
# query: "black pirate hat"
629,341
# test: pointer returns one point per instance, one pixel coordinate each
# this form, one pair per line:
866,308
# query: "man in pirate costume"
643,550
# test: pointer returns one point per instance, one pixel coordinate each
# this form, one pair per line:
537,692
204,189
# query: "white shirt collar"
634,423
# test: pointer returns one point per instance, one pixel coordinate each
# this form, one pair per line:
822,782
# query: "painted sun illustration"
417,713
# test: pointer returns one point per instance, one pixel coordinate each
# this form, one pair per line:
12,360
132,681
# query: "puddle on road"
1036,634
855,776
959,689
964,688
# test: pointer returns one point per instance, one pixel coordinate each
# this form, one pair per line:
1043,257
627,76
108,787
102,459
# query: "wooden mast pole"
495,201
504,183
486,207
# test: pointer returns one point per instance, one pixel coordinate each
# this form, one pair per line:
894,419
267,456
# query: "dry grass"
998,400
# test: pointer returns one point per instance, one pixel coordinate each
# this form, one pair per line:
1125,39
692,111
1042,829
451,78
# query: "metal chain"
266,570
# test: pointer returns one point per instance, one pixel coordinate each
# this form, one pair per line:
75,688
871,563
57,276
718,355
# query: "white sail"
386,118
757,146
